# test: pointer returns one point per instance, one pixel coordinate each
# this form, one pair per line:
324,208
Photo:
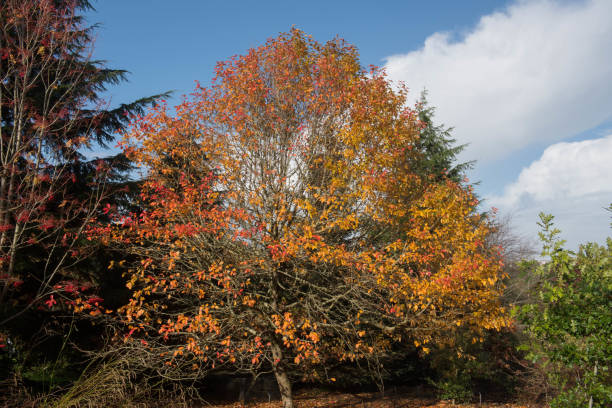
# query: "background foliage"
570,323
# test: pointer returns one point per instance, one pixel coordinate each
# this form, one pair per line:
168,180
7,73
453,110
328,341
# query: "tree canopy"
264,201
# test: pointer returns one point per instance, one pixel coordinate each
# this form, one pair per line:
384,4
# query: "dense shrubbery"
569,324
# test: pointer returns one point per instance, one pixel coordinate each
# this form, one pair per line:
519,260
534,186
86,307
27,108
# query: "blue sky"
525,83
167,45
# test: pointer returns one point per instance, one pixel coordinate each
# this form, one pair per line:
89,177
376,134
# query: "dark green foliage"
457,389
438,148
35,340
486,367
85,113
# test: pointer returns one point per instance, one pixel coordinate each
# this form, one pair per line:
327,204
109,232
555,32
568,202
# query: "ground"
408,397
404,399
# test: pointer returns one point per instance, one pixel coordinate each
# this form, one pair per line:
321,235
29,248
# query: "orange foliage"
284,226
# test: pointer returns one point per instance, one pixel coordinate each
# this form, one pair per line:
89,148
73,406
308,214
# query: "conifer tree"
52,110
438,148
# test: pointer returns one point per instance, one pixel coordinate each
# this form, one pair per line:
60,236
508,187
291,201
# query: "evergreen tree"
439,149
52,110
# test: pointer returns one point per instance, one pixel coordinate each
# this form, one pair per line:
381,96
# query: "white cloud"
540,71
572,181
565,170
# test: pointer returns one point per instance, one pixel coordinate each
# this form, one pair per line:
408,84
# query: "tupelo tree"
268,203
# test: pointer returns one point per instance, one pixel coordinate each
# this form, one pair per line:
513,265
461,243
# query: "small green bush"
457,389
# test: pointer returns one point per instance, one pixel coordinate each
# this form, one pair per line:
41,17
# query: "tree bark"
282,379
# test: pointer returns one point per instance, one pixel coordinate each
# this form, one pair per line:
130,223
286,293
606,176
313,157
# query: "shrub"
570,325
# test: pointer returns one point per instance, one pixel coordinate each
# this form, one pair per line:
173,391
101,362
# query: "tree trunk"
282,379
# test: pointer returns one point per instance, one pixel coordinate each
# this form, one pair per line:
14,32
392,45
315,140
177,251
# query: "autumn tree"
265,199
51,110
